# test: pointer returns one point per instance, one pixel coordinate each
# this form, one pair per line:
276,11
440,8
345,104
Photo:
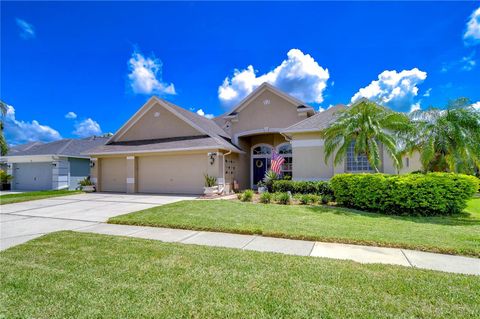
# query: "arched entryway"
261,157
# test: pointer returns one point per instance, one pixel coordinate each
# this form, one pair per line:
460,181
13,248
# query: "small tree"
3,141
367,125
449,139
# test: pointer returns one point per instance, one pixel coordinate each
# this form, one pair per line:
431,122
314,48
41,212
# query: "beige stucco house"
164,148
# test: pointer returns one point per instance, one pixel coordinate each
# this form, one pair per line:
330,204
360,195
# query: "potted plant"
87,185
5,181
261,187
210,188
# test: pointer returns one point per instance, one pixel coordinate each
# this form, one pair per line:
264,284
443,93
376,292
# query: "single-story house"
50,166
164,148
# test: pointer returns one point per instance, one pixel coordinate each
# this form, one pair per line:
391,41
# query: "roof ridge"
66,145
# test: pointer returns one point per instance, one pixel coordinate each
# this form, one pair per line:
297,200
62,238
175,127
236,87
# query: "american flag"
277,162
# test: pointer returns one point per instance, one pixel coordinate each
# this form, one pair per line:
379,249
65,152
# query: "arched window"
262,150
285,150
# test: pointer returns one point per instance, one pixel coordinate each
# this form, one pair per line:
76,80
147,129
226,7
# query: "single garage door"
171,174
113,176
32,176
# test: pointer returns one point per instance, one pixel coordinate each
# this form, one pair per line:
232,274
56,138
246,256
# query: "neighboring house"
164,148
47,166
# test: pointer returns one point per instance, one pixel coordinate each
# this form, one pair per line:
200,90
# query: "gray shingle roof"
65,147
164,144
319,121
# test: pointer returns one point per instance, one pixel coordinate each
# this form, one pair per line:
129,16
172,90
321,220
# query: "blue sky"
99,62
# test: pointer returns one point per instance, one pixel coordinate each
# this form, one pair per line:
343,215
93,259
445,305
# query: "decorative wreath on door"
259,163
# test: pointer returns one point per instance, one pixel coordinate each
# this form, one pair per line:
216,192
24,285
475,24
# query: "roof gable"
261,89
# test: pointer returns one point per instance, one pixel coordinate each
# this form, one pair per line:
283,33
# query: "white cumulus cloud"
299,75
71,115
146,75
476,106
202,113
87,127
472,34
19,132
394,89
27,31
415,107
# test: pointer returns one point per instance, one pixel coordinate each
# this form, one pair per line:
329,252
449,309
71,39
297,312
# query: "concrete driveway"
21,222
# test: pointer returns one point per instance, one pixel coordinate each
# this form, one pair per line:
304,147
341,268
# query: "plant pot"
262,189
88,188
5,186
210,191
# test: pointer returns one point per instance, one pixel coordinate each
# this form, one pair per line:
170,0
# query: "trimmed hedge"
413,194
302,187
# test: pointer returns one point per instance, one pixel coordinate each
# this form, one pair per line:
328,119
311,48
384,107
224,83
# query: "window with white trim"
285,150
357,163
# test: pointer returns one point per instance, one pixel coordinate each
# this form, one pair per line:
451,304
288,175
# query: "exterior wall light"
212,157
92,163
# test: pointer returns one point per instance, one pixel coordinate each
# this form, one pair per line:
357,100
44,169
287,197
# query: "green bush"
307,199
325,199
413,194
247,196
266,198
283,198
302,187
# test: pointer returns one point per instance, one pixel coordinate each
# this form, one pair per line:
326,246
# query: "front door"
260,166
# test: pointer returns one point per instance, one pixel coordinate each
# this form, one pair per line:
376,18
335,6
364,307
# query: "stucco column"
131,174
94,172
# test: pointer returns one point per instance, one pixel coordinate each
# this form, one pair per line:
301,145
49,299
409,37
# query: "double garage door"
167,174
32,176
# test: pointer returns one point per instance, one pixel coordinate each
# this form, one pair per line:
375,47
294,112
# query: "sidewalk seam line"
254,237
313,246
189,236
408,260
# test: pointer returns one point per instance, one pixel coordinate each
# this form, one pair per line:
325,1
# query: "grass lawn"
453,234
474,206
24,197
80,275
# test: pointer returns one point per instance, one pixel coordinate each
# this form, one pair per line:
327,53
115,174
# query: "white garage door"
32,176
172,174
113,176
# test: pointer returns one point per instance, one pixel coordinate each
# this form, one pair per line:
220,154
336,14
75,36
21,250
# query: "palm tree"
448,140
367,125
3,142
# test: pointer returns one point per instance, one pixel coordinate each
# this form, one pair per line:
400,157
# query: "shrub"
269,178
413,194
302,187
283,198
325,199
247,195
266,198
239,196
306,199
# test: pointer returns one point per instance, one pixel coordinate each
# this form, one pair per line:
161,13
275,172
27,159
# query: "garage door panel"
171,174
113,175
32,176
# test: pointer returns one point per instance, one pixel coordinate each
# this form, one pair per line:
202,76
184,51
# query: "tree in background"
3,141
367,125
447,140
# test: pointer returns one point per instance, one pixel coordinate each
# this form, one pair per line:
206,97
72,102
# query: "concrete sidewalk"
362,254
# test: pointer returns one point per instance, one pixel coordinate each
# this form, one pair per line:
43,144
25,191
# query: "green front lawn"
79,275
452,234
474,206
24,197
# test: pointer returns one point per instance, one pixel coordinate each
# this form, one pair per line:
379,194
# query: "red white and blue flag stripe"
277,162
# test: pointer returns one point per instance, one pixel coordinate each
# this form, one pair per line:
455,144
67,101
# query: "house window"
356,163
286,151
262,150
